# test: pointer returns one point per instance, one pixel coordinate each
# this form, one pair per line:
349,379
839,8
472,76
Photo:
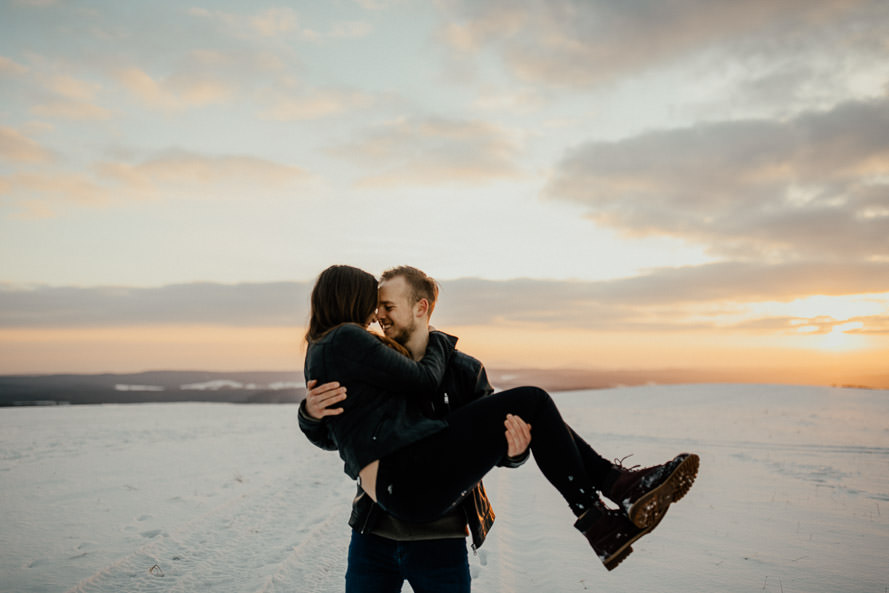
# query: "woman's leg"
424,480
427,478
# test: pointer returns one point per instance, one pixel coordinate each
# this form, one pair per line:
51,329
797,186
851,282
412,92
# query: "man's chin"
402,337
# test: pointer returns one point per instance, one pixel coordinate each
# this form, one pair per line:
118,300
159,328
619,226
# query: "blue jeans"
380,565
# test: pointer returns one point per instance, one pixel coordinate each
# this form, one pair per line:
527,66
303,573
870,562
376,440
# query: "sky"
687,185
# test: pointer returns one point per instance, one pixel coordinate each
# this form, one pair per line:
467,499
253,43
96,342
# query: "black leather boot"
646,494
610,533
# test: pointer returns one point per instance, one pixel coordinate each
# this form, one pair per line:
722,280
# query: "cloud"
76,110
275,21
181,168
666,297
271,22
174,93
268,304
816,185
174,174
69,98
375,5
201,77
18,148
350,30
72,88
278,23
317,104
712,297
570,43
8,66
38,193
519,101
420,151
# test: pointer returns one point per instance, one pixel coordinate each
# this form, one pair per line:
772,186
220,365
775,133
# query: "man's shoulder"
465,368
465,360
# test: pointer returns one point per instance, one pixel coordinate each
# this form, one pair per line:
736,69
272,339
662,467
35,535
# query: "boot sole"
625,550
651,508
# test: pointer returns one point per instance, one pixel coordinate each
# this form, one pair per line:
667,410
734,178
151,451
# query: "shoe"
610,534
646,494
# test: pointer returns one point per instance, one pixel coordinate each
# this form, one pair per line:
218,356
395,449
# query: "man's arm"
316,407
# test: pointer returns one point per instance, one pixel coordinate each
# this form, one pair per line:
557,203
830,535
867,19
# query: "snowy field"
793,496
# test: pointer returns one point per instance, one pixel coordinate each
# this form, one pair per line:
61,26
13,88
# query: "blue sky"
582,146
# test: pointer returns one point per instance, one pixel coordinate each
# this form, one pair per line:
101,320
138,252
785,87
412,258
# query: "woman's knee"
528,400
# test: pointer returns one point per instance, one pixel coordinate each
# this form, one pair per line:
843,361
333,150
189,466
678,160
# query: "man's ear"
421,309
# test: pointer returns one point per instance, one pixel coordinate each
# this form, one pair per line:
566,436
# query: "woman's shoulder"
346,332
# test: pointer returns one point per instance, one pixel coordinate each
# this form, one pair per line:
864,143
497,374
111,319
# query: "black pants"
425,479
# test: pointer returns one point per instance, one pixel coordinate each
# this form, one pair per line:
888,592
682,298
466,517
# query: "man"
384,551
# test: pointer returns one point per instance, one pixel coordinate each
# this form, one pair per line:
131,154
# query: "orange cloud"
8,66
174,93
176,175
56,189
316,104
16,147
179,169
76,110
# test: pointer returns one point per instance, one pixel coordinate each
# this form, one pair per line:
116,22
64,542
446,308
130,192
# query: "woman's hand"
319,398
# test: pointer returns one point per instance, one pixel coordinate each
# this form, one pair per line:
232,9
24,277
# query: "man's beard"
403,335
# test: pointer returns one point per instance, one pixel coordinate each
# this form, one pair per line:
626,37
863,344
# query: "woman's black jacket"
385,389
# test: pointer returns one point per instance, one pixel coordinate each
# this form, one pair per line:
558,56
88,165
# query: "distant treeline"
152,387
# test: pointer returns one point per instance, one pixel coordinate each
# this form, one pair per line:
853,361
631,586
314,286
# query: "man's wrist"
303,412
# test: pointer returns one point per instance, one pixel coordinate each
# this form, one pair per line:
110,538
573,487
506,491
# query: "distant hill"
289,386
152,386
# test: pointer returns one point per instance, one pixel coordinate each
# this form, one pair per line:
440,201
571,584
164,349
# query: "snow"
214,385
792,496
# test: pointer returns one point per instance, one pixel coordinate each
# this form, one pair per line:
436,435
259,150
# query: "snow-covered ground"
793,496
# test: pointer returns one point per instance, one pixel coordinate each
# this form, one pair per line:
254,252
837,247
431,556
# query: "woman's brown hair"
344,294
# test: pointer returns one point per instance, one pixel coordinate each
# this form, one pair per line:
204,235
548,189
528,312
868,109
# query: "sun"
839,338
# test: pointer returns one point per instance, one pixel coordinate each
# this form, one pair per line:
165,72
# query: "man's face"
395,310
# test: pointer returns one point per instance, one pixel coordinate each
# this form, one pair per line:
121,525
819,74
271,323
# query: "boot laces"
620,463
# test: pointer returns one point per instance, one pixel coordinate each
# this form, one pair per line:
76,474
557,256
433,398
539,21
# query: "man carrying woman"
419,468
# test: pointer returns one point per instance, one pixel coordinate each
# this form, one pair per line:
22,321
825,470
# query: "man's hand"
518,435
319,398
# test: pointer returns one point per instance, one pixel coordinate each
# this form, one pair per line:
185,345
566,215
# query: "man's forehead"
394,288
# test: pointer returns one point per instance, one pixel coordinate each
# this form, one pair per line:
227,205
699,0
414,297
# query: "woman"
418,468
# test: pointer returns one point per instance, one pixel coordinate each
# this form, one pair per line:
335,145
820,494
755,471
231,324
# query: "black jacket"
383,410
464,380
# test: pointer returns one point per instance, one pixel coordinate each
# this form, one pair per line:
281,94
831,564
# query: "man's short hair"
421,285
